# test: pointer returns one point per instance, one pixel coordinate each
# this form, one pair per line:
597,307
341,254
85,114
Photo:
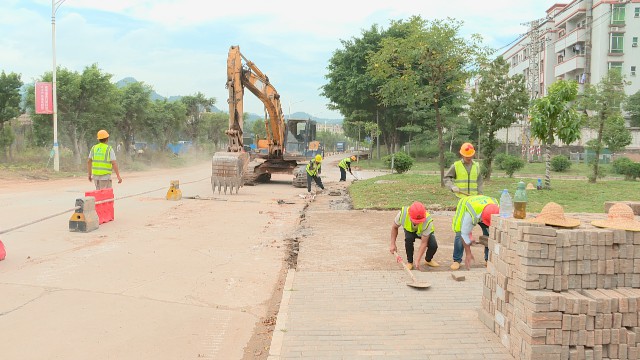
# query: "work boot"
410,266
432,263
455,265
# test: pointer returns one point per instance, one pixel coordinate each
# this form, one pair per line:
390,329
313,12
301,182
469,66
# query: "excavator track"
227,171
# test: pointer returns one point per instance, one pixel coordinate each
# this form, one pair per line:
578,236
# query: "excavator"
289,143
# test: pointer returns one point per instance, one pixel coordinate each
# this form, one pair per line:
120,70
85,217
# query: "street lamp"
293,103
56,153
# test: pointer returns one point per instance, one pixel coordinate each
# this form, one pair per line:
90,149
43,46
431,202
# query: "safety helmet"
318,158
417,213
353,158
467,150
103,134
489,210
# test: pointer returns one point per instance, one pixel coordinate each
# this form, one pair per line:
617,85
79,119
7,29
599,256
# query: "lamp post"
56,153
293,103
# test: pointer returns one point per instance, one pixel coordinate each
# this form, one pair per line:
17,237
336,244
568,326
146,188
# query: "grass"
397,190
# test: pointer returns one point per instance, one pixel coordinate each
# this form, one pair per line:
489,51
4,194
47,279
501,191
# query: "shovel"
414,283
355,177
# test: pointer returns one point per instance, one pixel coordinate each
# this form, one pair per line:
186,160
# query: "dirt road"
192,279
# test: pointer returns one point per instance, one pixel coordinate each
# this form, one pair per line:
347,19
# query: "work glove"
455,189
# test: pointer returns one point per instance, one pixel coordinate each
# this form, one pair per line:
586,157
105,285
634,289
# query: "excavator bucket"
227,169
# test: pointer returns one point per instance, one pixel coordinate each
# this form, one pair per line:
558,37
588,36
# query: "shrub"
560,163
401,162
450,158
511,164
620,165
498,159
632,171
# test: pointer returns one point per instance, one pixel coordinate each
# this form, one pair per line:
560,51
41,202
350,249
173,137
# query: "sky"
180,47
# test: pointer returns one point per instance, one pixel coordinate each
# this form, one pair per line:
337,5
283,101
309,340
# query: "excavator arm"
229,168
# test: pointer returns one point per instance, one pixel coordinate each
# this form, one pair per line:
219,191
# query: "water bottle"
520,202
539,184
506,205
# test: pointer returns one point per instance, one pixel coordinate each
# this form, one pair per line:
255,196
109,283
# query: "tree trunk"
440,142
596,161
547,170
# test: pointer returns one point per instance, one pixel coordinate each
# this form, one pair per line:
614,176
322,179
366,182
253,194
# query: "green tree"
496,101
554,116
9,108
373,131
163,121
135,99
214,126
196,105
425,70
602,103
632,106
87,102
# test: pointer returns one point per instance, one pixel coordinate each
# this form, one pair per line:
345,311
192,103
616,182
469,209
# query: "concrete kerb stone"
85,218
281,322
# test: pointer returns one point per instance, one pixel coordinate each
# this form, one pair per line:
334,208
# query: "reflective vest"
405,220
101,159
344,163
472,205
465,181
312,168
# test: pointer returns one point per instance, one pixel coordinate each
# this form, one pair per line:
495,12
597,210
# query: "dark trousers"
343,174
410,238
316,179
458,249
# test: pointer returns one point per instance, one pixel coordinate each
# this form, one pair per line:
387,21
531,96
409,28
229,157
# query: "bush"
511,164
401,162
560,163
450,158
498,160
620,165
631,171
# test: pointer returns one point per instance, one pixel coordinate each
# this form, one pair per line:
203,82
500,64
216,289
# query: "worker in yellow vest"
313,170
417,224
471,211
463,177
102,162
345,165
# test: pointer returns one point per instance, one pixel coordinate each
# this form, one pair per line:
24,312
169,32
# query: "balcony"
574,63
569,39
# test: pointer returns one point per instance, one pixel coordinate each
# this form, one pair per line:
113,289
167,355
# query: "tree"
496,101
135,99
214,126
9,108
554,116
163,121
605,117
372,129
87,102
632,106
196,105
426,69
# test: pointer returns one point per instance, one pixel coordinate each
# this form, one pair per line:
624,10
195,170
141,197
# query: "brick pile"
552,293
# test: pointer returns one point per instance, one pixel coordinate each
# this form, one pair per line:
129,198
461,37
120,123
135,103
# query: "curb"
281,322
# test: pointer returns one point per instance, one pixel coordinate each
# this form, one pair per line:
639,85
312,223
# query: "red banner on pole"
44,98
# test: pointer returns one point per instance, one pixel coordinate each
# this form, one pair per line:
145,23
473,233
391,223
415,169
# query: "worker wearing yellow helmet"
345,165
102,162
313,169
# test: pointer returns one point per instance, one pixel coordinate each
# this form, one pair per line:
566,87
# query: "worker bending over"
471,211
417,224
313,170
345,165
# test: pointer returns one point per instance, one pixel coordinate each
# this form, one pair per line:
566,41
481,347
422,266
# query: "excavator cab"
300,140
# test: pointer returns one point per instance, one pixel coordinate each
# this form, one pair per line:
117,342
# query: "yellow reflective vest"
405,220
472,205
313,168
101,159
344,163
467,182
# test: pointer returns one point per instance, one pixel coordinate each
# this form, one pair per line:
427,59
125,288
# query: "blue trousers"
458,249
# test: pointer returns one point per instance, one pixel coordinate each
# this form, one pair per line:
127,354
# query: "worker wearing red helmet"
345,165
417,224
471,211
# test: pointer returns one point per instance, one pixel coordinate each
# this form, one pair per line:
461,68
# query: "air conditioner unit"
614,29
634,45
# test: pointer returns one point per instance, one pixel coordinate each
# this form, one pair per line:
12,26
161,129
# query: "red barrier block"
3,252
104,210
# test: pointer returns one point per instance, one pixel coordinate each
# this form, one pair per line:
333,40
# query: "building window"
634,41
633,71
636,12
617,14
616,46
615,65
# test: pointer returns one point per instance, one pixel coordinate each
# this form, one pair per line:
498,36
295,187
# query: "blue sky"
179,47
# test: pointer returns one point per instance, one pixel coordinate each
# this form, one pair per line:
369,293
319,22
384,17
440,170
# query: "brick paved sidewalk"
375,315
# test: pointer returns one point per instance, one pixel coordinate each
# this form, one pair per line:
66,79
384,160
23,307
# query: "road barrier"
174,192
85,218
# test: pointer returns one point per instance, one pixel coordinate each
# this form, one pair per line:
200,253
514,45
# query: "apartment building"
580,40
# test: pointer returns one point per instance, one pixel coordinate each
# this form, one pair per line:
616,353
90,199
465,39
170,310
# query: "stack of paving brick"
552,293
